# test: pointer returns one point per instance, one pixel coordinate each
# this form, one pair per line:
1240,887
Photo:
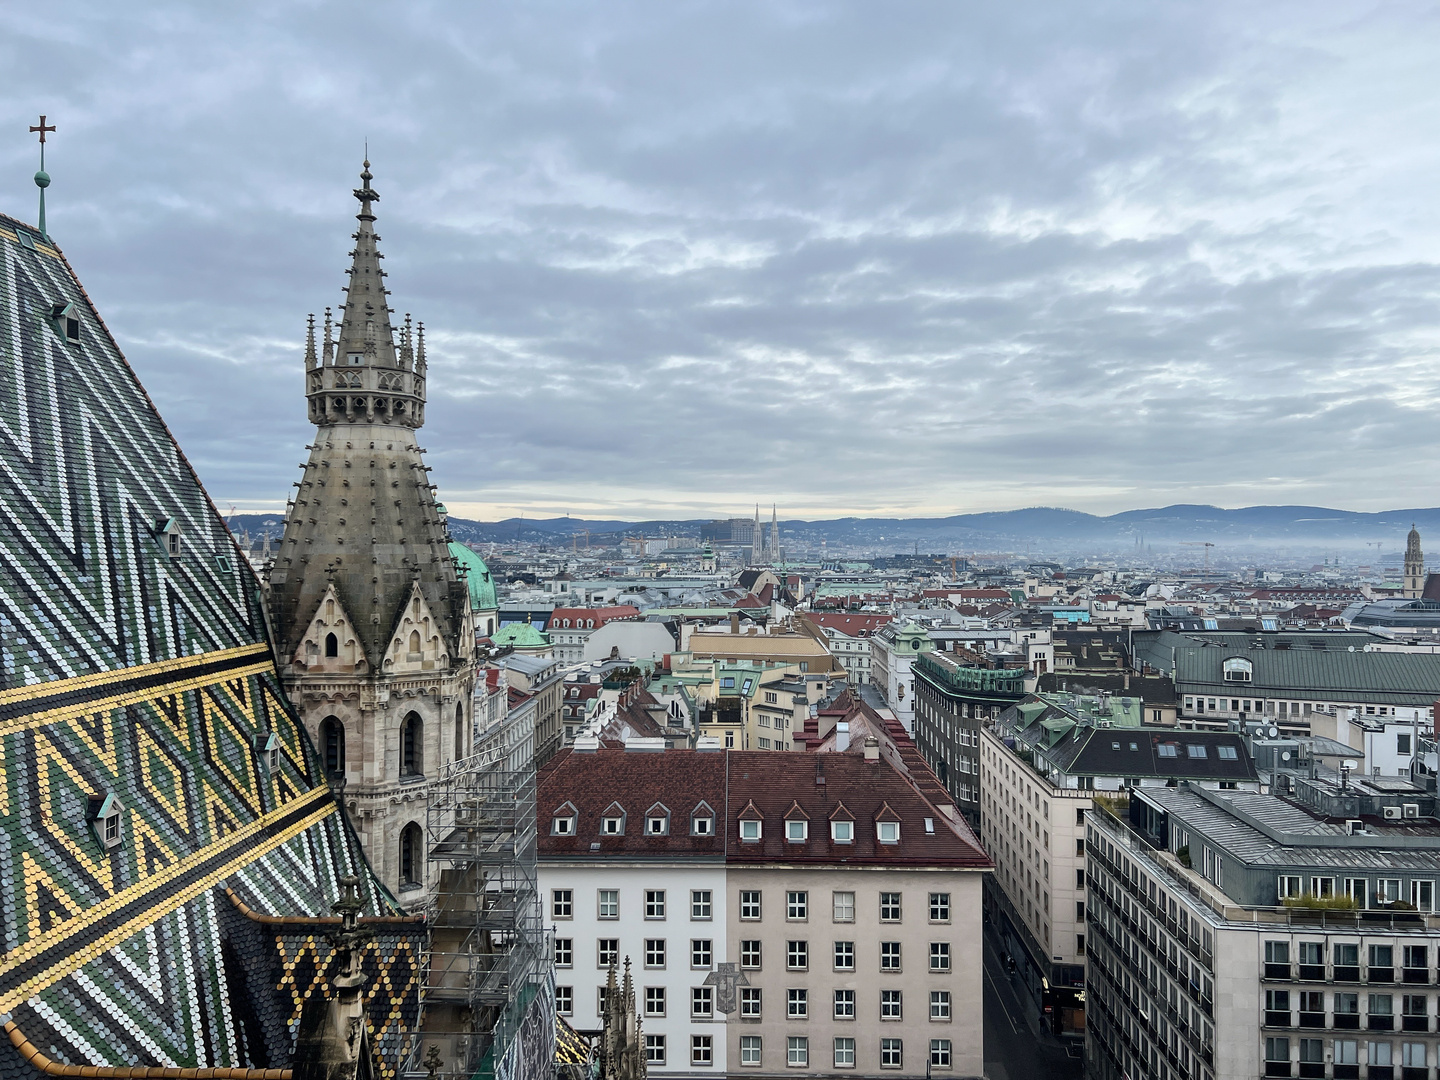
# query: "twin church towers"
373,622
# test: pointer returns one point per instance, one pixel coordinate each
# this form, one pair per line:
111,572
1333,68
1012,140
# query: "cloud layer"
897,259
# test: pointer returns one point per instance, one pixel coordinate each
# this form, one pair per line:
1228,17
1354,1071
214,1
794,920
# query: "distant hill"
1251,526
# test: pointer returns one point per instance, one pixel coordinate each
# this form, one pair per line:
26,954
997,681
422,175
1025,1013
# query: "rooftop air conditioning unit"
1392,813
1411,809
1354,826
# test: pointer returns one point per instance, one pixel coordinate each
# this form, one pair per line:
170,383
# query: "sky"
676,258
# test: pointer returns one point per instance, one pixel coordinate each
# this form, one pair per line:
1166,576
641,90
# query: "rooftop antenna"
42,178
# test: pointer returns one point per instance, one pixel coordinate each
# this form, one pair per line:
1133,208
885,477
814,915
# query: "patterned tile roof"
158,798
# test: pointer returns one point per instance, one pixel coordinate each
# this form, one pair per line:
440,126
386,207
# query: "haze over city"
676,259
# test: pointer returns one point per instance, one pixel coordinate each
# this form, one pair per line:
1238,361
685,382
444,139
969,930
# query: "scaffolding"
488,983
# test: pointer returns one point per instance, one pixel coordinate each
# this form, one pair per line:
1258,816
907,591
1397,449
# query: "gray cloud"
856,258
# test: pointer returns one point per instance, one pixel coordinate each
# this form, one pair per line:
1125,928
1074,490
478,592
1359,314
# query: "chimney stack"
872,748
734,622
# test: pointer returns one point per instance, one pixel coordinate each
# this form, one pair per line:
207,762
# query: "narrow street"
1015,1046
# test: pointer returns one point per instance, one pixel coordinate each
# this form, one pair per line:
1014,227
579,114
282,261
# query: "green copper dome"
482,584
519,635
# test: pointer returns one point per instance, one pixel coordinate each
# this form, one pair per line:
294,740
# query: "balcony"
1312,972
1312,1068
1346,973
1278,971
1415,1023
1380,1023
1416,976
1277,1019
1380,1072
1278,1068
1346,1072
1312,1019
1382,975
1347,1021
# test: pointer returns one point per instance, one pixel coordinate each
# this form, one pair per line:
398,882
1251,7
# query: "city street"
1015,1047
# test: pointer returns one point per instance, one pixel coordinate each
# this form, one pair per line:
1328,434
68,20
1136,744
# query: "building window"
602,995
797,1051
750,954
797,1003
939,1004
332,738
1277,1053
888,832
564,952
561,904
889,956
750,904
889,907
939,956
608,903
844,956
657,825
844,1004
842,832
796,832
751,1001
797,955
749,830
412,856
844,903
655,1049
655,1001
701,1049
891,1054
890,1005
939,907
700,953
702,1001
940,1053
565,1000
562,826
612,826
701,825
607,950
655,903
749,1049
412,753
844,1053
699,904
797,906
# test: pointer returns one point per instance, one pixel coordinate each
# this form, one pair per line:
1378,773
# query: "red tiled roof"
848,624
600,615
681,779
773,783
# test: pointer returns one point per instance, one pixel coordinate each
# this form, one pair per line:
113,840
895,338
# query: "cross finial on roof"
42,178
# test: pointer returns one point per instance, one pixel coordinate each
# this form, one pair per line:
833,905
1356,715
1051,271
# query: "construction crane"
1207,545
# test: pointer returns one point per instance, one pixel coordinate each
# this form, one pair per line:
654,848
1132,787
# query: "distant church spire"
1414,565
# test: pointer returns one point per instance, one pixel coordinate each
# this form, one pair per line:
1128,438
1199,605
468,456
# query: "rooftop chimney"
734,622
872,748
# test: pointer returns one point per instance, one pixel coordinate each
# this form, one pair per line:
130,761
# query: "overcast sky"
677,257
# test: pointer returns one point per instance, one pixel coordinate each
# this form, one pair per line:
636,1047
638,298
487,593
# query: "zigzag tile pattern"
134,672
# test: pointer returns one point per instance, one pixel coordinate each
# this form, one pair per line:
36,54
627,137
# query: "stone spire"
365,378
1414,565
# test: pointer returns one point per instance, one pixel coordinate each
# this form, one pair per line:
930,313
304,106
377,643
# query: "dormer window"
562,826
105,815
65,318
888,832
796,832
167,531
1237,669
612,826
750,830
657,821
701,826
267,744
842,832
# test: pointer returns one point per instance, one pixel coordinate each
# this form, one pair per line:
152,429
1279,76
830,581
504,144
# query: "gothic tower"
1414,565
372,620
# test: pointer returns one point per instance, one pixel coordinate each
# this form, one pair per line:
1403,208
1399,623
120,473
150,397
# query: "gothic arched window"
459,731
412,854
412,753
415,642
332,745
332,645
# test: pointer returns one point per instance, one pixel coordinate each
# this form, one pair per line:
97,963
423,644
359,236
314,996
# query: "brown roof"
772,783
851,625
679,779
819,783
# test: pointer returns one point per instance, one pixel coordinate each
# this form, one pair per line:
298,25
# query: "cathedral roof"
165,817
519,635
477,577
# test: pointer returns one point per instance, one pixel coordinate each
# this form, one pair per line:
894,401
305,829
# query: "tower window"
412,759
332,645
332,742
411,855
354,359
